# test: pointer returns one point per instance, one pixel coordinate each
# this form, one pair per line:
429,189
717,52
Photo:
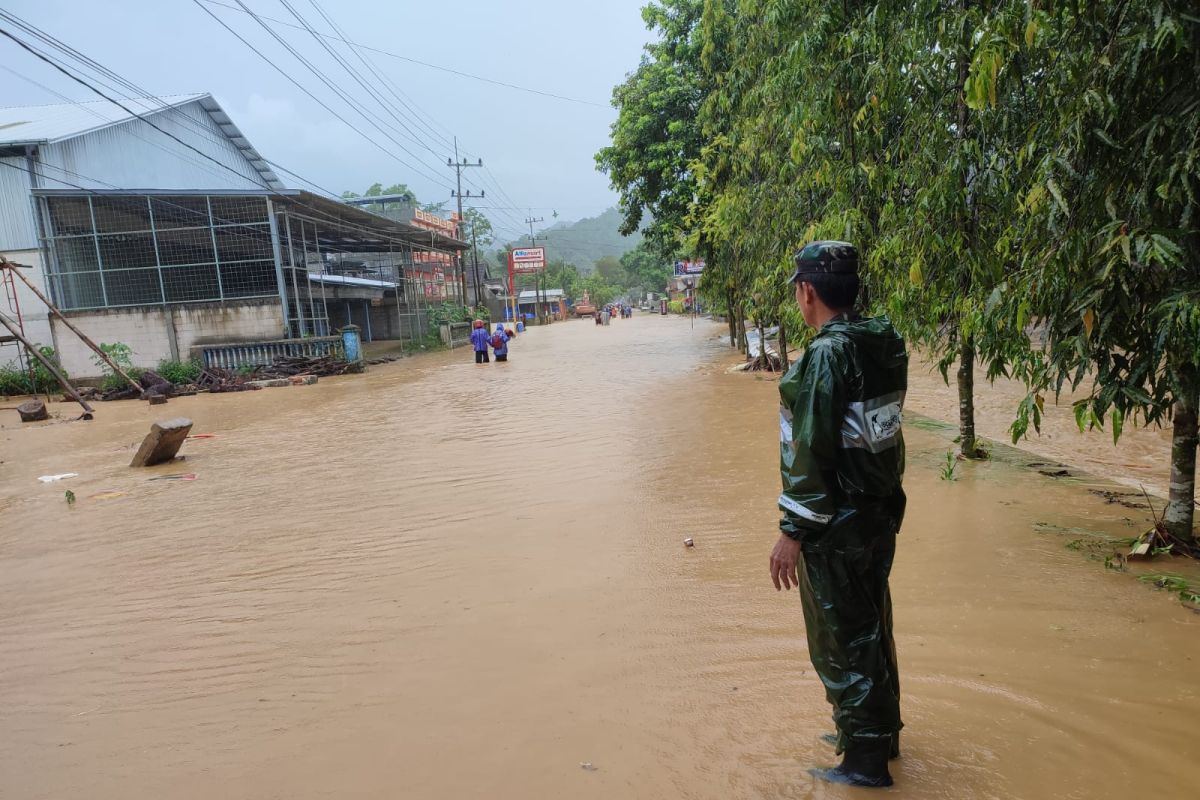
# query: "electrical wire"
445,69
324,79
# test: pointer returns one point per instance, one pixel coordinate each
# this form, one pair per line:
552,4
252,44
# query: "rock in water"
33,411
163,442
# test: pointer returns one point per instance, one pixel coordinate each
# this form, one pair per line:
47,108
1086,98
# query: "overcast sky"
539,149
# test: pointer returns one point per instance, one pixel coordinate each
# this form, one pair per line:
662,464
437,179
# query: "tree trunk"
966,398
1181,506
783,346
729,309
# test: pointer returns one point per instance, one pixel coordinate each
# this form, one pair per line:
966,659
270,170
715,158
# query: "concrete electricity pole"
537,279
458,167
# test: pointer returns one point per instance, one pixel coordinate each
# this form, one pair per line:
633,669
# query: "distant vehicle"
584,307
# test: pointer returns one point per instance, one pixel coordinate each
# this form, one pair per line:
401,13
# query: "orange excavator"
584,307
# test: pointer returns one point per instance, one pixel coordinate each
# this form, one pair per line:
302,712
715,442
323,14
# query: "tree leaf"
1118,423
1030,31
1052,185
915,274
1089,322
1081,415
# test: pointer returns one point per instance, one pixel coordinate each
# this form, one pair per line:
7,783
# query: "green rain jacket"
841,445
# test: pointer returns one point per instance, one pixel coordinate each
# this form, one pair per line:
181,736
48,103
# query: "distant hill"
581,243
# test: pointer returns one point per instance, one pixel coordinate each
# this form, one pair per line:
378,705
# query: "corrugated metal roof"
45,124
50,124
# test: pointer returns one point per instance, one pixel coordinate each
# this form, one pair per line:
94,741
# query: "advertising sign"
688,268
528,259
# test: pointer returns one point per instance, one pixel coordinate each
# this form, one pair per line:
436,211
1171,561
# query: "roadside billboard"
688,268
527,259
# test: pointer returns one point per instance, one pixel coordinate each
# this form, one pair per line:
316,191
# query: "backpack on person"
497,341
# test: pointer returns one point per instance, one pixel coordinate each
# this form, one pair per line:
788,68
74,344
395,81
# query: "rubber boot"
894,753
865,764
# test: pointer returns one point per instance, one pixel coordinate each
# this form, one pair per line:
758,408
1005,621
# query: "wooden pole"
68,389
6,264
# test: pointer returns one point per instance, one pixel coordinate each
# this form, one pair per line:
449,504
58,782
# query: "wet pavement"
447,580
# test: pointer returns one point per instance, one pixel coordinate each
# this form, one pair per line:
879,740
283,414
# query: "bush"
450,312
675,307
179,372
122,356
15,380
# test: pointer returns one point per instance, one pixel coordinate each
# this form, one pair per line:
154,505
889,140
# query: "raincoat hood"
875,341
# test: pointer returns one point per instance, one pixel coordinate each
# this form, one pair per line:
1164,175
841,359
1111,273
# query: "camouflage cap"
829,258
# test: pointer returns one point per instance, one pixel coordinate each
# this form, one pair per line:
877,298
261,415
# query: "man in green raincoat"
842,460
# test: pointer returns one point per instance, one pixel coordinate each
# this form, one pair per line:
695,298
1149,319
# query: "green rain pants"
848,618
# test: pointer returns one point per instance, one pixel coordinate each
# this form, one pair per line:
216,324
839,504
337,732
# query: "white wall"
149,331
33,311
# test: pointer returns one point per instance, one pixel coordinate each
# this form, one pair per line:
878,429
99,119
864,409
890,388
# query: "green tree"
609,268
656,135
1112,258
646,270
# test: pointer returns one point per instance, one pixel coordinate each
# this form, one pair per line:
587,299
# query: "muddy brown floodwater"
447,581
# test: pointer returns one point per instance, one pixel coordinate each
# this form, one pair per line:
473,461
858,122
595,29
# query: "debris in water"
62,477
106,495
179,476
203,436
70,497
33,411
688,543
587,765
162,442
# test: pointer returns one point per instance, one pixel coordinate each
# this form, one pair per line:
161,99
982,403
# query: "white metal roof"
49,124
346,280
530,294
53,123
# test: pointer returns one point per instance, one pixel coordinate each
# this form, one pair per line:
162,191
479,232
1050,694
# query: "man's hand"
784,559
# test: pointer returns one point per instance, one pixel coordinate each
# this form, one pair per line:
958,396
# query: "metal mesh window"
123,250
179,212
185,246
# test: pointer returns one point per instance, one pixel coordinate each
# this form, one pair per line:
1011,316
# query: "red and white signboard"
527,259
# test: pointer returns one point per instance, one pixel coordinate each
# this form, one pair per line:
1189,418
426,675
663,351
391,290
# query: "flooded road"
440,580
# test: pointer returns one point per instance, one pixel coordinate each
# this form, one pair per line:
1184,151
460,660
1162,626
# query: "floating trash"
182,476
53,478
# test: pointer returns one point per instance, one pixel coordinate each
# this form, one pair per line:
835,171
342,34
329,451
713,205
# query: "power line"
135,92
357,76
438,67
318,100
387,82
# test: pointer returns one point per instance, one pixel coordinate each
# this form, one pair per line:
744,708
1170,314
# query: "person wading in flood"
479,340
842,461
500,343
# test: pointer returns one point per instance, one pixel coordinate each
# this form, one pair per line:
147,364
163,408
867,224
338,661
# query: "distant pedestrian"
479,340
499,343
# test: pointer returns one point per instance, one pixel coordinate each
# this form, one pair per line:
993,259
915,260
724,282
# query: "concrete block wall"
155,334
144,330
212,323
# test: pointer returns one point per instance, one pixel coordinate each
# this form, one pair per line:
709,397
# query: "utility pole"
537,278
458,167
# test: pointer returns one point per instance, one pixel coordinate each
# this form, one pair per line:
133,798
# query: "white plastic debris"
53,478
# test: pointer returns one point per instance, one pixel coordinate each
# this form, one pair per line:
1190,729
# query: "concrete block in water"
270,383
163,442
303,380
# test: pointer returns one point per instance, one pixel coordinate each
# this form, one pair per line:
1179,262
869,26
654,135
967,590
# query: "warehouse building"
167,246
